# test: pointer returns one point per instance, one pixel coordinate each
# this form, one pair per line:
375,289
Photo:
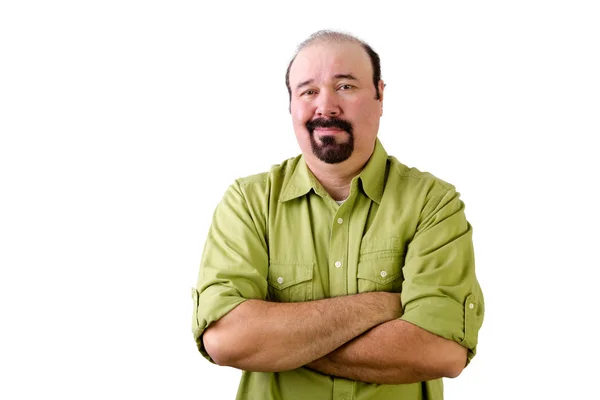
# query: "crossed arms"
371,337
357,337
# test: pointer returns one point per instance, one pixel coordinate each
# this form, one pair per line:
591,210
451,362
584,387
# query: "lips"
329,130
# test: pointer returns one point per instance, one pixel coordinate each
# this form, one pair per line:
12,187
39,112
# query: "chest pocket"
290,282
380,272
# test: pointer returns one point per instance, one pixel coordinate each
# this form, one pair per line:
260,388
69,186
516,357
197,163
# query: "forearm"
393,353
267,336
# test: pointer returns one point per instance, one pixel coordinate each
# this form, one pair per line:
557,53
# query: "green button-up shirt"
279,236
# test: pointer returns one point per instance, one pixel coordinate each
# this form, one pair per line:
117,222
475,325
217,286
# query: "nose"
327,106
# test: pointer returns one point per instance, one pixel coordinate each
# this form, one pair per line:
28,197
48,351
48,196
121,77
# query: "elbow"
454,370
456,363
230,351
215,344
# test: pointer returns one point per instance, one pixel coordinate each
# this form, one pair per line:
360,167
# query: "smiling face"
333,103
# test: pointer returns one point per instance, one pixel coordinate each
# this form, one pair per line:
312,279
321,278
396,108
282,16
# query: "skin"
271,337
393,353
341,336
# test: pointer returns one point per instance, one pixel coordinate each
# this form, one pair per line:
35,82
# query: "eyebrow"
345,76
337,76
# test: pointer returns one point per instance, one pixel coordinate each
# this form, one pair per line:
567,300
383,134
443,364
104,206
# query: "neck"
335,178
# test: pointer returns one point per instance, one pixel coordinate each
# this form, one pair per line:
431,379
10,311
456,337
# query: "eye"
308,92
345,87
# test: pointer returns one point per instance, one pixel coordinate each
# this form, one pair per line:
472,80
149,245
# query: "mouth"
329,130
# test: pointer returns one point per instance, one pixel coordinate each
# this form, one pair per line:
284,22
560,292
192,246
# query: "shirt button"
338,264
383,274
340,221
280,280
471,306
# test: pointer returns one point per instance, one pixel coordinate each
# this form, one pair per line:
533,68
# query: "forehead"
323,60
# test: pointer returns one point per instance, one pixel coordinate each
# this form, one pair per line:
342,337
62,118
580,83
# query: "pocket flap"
282,276
381,271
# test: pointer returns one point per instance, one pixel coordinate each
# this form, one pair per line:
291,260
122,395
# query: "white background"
123,122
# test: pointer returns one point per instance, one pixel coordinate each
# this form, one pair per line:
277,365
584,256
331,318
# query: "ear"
381,86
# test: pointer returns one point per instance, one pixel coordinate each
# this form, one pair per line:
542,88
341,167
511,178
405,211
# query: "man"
341,273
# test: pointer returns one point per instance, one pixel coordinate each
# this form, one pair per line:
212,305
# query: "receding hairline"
324,37
328,36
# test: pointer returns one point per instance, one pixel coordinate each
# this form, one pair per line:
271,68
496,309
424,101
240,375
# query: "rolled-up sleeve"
440,292
234,263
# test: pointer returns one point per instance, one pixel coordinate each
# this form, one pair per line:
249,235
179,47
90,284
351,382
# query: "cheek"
366,123
299,118
369,113
300,115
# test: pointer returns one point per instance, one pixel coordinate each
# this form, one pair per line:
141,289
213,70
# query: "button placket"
337,254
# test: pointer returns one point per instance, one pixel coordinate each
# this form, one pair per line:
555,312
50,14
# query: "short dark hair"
339,37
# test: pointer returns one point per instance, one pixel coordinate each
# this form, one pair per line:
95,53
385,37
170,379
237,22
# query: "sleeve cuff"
449,319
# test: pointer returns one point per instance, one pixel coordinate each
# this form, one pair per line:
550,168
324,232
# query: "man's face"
333,106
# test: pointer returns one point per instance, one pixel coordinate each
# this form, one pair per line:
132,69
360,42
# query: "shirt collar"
372,178
300,182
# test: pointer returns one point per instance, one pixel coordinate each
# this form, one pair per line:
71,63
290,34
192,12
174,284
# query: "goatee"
331,150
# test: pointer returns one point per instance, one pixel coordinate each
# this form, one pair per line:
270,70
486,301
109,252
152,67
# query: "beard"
330,150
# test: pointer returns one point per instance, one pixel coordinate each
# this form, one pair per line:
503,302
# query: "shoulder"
262,184
421,191
414,179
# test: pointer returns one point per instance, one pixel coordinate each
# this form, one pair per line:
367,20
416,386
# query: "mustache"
329,123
